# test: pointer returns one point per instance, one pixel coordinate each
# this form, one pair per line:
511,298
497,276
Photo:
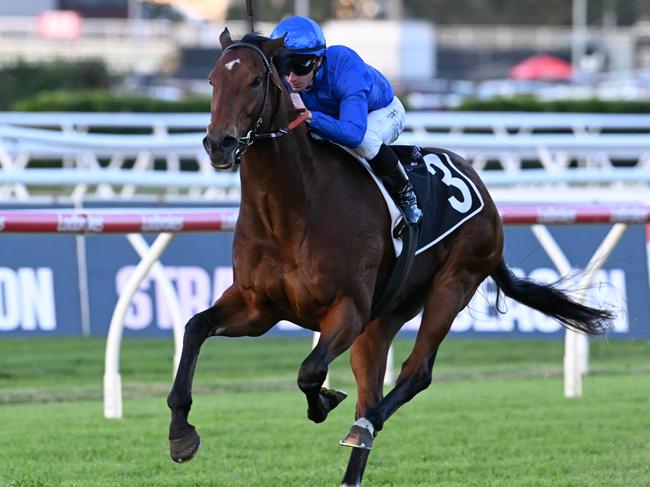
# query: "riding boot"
402,190
386,165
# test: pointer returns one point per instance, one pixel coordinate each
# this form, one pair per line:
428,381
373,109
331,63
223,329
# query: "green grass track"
495,415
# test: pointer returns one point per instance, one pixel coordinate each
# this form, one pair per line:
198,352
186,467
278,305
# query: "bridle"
243,143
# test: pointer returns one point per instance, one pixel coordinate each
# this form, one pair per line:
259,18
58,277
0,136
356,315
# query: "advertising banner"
40,283
39,290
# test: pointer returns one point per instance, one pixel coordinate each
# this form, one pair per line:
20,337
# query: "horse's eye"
257,81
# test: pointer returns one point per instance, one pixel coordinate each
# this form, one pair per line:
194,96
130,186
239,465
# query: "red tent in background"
542,67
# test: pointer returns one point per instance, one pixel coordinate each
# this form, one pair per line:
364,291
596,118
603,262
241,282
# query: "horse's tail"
551,301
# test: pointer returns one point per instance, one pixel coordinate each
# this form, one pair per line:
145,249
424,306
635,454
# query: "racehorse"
299,255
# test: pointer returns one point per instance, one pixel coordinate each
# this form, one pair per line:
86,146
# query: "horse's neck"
279,180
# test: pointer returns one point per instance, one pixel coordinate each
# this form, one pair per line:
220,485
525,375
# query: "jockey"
347,101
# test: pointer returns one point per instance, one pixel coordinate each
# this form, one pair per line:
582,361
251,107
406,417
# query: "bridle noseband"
243,143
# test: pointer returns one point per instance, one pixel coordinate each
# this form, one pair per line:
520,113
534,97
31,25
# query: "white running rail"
417,121
510,141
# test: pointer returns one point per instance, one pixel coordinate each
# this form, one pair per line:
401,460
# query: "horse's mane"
255,39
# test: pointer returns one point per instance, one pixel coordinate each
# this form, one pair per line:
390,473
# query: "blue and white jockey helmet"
304,36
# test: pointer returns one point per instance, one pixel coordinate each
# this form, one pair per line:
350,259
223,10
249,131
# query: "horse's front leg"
338,330
229,316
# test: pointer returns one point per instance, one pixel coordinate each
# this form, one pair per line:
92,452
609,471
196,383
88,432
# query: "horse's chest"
300,290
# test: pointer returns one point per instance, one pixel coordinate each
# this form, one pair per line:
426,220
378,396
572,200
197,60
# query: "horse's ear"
225,38
272,46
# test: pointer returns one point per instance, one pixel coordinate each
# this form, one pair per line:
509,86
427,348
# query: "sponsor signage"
162,223
39,290
27,299
39,282
80,223
195,264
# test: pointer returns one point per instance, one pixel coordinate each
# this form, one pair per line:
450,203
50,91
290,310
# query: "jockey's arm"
351,85
350,127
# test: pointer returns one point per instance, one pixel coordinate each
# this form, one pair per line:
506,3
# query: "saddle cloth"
446,196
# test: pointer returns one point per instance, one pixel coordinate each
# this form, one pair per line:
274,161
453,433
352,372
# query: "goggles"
298,64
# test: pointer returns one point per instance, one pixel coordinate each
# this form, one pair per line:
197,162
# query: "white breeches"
384,127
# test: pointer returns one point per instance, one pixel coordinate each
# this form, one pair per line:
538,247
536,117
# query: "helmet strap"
317,66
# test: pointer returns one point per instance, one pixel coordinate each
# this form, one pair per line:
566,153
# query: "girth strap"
400,271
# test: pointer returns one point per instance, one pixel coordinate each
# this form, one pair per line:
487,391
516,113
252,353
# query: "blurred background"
439,53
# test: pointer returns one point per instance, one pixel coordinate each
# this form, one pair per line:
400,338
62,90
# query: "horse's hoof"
185,448
329,399
359,436
316,416
332,397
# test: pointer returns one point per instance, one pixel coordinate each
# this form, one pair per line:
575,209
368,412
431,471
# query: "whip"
249,10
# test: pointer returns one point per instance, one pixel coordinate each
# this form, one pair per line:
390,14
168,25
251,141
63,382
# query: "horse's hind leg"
229,316
338,329
451,290
368,356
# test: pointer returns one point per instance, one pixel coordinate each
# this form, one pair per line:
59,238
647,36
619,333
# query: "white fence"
454,122
424,121
560,144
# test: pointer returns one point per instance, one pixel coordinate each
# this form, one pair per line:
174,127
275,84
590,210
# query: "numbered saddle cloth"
447,197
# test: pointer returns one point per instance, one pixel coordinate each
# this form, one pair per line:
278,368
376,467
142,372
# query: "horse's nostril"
228,144
207,144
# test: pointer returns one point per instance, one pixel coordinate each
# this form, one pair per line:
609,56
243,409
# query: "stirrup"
408,202
412,214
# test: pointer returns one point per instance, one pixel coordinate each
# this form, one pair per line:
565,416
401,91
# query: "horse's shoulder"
337,158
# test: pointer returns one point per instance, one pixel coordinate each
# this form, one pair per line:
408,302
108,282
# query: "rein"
243,143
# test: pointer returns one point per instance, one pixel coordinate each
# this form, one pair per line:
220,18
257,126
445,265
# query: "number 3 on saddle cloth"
447,198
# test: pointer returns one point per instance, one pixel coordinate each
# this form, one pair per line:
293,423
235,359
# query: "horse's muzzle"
221,151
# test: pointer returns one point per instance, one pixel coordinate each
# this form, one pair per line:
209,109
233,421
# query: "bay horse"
299,255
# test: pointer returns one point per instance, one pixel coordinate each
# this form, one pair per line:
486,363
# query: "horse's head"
240,82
